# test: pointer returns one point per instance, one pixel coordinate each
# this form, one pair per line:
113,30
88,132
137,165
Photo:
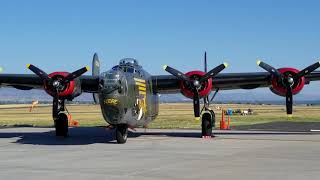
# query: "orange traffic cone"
223,124
72,123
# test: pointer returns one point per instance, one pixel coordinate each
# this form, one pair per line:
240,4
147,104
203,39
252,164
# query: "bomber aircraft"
129,95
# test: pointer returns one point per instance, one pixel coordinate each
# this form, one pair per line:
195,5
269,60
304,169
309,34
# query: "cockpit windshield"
128,62
124,68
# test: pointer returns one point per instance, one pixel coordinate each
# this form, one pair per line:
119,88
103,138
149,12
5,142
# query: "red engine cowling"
280,90
70,90
205,87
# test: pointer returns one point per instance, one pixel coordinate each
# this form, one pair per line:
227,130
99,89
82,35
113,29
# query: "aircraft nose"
112,114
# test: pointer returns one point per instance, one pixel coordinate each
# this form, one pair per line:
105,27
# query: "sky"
63,35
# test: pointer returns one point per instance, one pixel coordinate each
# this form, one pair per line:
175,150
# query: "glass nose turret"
111,82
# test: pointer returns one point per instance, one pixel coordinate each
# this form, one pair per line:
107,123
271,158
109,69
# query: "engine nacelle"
205,86
280,89
69,91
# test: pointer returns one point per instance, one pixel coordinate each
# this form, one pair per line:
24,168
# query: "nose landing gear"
122,133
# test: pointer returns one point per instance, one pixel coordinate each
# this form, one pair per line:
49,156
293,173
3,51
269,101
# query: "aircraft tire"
61,125
207,124
122,133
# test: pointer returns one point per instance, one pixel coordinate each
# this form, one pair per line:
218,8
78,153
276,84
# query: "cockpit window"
129,62
128,69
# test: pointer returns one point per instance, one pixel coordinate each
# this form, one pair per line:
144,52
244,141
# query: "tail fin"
95,72
205,62
205,99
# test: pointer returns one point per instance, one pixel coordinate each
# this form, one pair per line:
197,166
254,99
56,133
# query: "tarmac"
92,153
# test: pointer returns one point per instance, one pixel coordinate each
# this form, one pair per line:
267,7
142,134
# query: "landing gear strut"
208,117
60,117
122,133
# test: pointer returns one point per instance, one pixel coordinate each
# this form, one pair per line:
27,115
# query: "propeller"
195,84
288,80
58,84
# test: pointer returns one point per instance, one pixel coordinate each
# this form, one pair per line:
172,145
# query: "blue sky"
63,35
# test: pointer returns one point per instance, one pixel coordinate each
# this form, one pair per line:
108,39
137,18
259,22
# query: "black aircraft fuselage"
126,95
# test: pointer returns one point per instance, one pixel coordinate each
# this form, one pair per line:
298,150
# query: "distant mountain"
9,95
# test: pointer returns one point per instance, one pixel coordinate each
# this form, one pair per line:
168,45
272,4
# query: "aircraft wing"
167,84
31,81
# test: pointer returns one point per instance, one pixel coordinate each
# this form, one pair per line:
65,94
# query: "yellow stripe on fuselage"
140,80
142,92
142,88
141,84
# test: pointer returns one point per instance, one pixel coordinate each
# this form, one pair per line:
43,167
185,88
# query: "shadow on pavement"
78,136
98,135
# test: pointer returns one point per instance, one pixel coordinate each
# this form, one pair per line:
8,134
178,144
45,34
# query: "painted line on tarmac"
315,130
268,139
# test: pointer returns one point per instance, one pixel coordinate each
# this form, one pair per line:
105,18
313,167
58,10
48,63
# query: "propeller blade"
76,74
289,101
307,70
196,106
270,69
39,72
213,72
176,73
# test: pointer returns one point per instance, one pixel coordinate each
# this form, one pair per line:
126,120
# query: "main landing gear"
60,117
122,133
208,123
